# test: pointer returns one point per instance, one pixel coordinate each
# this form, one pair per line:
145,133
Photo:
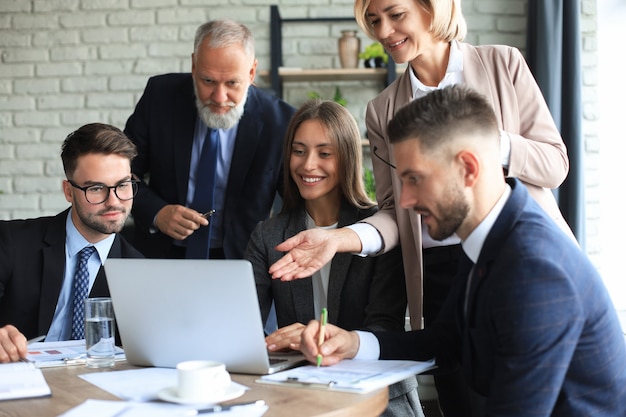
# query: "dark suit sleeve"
441,340
386,308
6,258
147,203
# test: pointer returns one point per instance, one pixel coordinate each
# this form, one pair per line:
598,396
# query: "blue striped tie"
198,242
81,287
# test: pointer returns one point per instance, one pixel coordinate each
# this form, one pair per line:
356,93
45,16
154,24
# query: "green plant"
370,185
337,98
374,50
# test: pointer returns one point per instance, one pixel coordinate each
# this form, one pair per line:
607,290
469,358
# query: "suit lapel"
301,289
100,286
475,73
53,270
340,265
338,274
494,241
246,142
183,132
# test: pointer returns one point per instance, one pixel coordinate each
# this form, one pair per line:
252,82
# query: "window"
611,96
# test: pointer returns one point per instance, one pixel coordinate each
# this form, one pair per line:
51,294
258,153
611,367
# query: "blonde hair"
343,132
447,21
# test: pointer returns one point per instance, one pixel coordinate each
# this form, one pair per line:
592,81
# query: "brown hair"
95,138
443,115
342,130
447,22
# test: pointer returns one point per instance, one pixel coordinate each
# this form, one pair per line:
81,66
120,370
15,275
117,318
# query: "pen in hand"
320,340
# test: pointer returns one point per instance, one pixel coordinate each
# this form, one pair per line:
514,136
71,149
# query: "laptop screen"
172,310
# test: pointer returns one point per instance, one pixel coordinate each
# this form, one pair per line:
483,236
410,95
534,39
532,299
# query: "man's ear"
67,191
471,166
253,70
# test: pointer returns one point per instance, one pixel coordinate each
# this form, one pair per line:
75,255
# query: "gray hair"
224,33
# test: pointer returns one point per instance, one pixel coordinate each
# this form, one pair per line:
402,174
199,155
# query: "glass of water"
100,332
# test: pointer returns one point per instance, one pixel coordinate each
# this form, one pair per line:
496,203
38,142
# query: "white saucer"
170,394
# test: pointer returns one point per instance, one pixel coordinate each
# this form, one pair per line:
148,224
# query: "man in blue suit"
174,118
528,319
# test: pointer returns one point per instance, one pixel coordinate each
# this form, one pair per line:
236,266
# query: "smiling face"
221,79
402,26
432,188
313,165
97,221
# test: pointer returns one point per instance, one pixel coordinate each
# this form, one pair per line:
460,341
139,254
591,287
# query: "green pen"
320,340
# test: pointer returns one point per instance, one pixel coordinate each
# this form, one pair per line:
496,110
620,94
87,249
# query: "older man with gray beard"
210,151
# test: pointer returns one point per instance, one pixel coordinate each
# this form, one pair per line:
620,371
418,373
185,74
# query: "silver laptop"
172,310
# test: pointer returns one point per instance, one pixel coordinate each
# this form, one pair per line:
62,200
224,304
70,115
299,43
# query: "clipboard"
356,376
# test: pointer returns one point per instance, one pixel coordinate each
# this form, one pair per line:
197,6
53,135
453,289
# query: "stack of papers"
359,376
139,388
22,380
101,408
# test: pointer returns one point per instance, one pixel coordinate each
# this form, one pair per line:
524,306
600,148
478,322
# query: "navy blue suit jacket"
541,336
162,126
32,267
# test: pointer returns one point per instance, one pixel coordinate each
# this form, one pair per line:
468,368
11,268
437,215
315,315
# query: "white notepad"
22,380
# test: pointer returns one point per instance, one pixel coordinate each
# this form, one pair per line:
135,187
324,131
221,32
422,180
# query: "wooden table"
68,391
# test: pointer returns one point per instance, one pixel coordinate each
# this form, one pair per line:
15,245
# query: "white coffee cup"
202,381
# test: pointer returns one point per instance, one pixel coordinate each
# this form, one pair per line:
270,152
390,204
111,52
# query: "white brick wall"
69,62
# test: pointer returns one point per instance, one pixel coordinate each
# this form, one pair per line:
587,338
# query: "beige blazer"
538,154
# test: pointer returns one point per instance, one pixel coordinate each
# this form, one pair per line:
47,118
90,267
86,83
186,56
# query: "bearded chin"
221,121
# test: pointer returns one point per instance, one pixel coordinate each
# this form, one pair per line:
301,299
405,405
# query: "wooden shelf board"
329,74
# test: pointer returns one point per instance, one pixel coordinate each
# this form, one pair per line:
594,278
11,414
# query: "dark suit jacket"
541,336
162,127
32,265
363,292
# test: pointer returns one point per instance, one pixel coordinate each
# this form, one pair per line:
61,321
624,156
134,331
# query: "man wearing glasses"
49,265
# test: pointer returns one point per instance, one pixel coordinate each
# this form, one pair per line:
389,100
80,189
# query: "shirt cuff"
368,346
505,148
371,242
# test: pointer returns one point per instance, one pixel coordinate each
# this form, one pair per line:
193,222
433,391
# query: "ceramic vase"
349,47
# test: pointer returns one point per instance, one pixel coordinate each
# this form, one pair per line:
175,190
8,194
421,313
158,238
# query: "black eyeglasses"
379,157
99,193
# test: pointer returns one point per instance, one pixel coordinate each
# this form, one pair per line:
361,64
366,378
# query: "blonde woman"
428,35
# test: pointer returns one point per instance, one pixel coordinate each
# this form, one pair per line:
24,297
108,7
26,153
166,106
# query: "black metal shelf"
278,75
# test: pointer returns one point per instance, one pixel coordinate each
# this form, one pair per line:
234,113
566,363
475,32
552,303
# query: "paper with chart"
360,376
69,352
